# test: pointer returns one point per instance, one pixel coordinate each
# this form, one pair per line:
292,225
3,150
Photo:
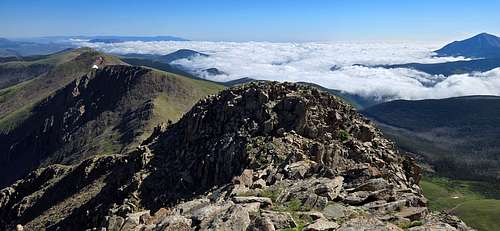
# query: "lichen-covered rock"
322,225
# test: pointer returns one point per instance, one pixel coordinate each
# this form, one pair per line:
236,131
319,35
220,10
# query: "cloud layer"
311,62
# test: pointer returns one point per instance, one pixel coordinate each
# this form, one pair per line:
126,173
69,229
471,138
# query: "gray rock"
310,215
261,224
330,189
115,223
259,184
356,198
321,225
280,220
413,213
246,178
367,224
264,201
189,206
175,222
236,218
335,211
298,170
373,185
204,216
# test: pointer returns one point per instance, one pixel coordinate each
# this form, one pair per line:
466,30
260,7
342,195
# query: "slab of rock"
261,224
412,213
115,223
335,211
330,189
264,201
299,169
259,184
321,225
246,178
356,198
175,222
367,224
373,185
280,220
312,215
236,218
189,206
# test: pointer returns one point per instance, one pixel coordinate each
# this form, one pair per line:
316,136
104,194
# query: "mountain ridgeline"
260,156
110,110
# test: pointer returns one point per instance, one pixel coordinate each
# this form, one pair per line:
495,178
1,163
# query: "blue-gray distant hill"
483,48
118,39
168,58
11,48
451,68
480,46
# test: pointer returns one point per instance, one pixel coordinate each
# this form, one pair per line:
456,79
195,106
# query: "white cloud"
311,62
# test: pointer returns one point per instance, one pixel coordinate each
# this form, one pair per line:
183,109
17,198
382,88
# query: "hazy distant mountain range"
45,45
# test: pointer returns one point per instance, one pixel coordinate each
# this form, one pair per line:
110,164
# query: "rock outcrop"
261,156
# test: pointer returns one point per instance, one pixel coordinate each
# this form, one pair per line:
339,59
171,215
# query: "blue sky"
256,20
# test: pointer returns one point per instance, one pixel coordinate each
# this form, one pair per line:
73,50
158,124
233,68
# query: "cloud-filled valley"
311,62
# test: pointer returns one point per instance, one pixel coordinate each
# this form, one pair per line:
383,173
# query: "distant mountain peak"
483,45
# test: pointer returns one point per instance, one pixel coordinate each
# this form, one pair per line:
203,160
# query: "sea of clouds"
311,62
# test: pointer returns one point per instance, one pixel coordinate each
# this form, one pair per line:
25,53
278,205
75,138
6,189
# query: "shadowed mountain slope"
106,111
458,136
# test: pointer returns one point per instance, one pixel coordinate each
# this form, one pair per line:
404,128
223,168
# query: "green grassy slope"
477,203
108,111
17,101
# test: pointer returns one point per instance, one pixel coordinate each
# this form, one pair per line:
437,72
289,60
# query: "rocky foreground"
262,156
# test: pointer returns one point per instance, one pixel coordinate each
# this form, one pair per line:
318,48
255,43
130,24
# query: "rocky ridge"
261,156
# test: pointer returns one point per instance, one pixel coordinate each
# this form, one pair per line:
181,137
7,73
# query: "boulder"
356,198
367,224
259,184
264,201
330,189
312,215
280,220
321,225
412,213
261,224
236,218
373,185
175,222
298,170
335,211
115,223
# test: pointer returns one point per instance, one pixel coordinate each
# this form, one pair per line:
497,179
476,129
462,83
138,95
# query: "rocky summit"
260,156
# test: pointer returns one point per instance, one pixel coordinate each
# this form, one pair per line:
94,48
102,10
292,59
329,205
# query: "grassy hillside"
108,111
477,203
17,100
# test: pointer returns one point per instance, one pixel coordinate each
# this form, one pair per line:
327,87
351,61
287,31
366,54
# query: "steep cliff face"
103,112
261,156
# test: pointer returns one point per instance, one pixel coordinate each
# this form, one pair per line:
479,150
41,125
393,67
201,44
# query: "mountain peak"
483,45
245,159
